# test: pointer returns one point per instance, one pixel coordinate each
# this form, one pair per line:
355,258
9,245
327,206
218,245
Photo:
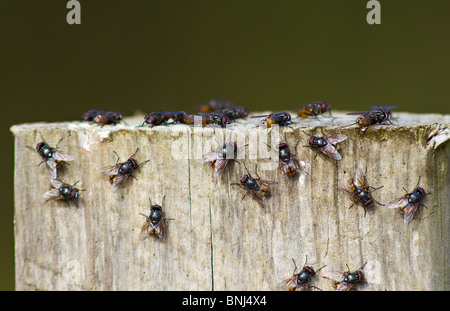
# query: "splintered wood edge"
339,119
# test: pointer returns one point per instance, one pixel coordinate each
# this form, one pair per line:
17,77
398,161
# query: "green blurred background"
274,55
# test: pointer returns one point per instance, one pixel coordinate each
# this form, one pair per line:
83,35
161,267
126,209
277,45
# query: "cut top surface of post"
339,118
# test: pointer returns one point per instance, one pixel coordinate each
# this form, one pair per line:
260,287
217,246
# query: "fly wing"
375,107
56,183
266,183
408,212
285,168
118,180
382,108
356,113
52,170
331,151
264,190
305,112
159,230
337,277
210,156
258,195
335,139
52,194
219,167
288,283
389,108
301,287
302,165
359,178
260,116
293,166
276,118
398,203
343,286
144,231
299,165
334,275
110,170
57,155
115,177
162,229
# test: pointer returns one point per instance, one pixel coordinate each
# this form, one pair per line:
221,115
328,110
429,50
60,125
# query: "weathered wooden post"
216,240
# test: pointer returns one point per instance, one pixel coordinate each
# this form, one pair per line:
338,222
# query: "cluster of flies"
359,190
117,174
342,280
220,112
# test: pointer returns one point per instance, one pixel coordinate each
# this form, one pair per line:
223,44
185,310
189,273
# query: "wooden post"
216,240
